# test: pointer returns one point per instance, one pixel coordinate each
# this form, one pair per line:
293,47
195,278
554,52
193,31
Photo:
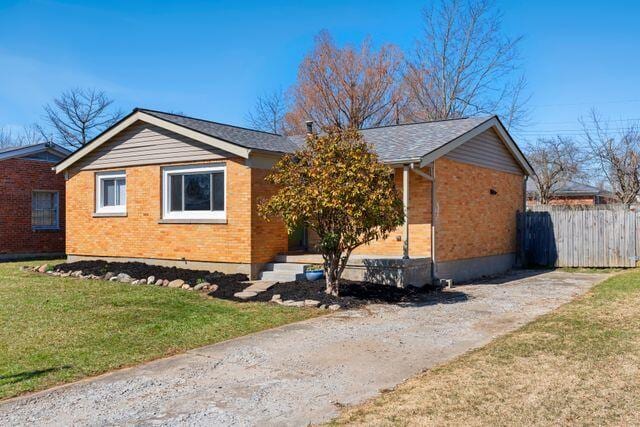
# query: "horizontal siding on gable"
486,150
145,144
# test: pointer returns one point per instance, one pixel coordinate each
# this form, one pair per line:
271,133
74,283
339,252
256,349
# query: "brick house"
32,208
168,189
573,193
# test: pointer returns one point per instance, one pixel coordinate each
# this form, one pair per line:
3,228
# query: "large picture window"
44,210
111,193
194,192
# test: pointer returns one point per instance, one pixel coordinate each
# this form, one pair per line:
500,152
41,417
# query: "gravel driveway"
301,373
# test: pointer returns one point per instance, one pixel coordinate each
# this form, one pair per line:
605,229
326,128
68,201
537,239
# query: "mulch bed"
352,294
141,270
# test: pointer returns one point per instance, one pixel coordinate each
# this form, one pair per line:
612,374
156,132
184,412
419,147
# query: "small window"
111,192
194,192
44,210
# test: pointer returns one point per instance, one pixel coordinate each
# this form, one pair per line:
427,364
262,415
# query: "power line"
569,104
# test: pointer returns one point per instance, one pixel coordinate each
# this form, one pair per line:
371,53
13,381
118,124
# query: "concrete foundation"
27,256
223,267
376,269
473,268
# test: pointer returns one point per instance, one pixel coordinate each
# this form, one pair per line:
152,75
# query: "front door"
298,240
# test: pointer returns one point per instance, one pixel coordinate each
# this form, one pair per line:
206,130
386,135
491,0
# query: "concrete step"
281,276
285,266
300,259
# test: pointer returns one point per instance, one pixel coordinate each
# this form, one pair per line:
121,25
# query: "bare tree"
32,134
464,65
555,161
269,112
617,154
6,138
346,87
29,135
80,114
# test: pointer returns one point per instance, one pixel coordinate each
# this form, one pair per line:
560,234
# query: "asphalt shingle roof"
399,142
571,187
247,138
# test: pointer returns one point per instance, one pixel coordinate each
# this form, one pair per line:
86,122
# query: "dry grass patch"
577,365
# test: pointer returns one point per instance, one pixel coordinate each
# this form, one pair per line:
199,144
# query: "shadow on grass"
28,375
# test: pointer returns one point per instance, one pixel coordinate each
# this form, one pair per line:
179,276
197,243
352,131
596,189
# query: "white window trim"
188,215
56,226
100,209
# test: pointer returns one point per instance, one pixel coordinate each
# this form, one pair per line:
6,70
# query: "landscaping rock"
67,274
292,303
199,286
245,294
323,306
165,282
311,303
76,273
151,280
158,282
276,297
113,279
124,277
334,307
108,275
135,282
186,286
213,288
43,268
176,283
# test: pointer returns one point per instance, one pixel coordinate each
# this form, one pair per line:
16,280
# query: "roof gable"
45,151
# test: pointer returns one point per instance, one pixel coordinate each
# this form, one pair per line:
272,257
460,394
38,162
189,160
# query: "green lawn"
55,330
579,365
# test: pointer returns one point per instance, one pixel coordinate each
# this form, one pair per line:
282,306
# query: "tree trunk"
332,275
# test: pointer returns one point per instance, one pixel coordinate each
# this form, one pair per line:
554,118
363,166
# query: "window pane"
197,192
218,191
121,192
108,192
175,182
44,209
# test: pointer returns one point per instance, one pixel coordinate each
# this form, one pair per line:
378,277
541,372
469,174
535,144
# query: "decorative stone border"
124,278
251,290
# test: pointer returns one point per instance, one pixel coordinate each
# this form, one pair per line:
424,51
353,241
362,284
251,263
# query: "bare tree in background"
78,115
269,112
555,161
29,135
32,134
617,155
6,138
348,87
465,66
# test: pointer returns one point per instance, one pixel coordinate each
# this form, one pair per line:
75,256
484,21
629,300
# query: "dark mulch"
139,270
352,294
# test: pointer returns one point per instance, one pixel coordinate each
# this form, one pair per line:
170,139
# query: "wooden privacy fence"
607,236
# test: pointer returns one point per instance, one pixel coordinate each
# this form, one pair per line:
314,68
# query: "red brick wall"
18,178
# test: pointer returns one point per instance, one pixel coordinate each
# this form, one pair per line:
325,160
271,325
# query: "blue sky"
212,58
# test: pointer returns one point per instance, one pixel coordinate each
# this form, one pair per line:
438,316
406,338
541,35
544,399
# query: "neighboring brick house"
573,193
168,189
32,207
